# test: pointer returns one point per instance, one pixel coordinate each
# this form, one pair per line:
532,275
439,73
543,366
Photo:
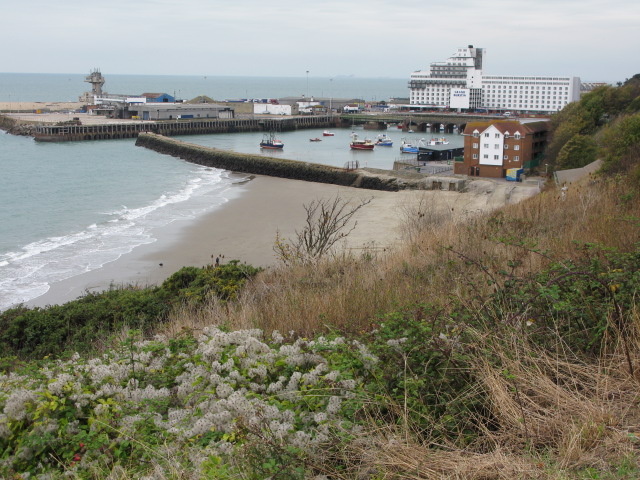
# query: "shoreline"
244,228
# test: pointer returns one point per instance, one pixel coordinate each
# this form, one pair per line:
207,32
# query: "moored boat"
327,133
438,141
357,144
384,141
407,147
269,141
315,139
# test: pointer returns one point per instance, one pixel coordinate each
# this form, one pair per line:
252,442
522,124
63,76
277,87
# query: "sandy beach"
245,229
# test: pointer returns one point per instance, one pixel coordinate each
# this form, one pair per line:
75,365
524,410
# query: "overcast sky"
595,40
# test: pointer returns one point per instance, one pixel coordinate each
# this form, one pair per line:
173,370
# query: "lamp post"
330,95
307,85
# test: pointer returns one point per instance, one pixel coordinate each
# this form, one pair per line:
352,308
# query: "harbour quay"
75,129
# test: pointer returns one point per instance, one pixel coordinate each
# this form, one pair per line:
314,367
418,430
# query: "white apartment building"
459,83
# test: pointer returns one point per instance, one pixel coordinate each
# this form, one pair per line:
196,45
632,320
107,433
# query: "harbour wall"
74,131
257,164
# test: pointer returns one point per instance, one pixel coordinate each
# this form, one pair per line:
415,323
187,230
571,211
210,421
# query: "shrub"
78,325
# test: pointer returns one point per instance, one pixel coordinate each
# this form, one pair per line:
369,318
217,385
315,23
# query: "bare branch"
327,222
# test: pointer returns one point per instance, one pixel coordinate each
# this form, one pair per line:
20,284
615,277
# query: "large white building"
459,83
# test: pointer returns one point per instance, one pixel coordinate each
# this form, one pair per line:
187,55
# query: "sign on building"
459,98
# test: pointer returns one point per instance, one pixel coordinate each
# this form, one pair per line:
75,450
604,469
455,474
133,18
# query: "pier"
435,122
74,131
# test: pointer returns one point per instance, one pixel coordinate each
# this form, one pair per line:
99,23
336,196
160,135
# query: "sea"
68,208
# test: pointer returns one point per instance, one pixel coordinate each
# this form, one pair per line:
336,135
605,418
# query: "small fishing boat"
438,141
269,141
357,144
315,139
407,147
384,141
327,133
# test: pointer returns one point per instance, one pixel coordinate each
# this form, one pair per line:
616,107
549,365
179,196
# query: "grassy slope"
514,406
468,362
564,415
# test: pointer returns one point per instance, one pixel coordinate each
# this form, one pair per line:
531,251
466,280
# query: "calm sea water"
69,208
72,207
333,151
47,87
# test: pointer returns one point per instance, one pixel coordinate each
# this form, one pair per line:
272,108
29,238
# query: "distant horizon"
311,78
386,77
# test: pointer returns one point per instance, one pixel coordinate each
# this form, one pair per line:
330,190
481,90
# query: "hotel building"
459,84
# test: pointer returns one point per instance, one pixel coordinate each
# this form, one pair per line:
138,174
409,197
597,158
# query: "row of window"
525,105
516,158
476,134
537,97
525,87
497,146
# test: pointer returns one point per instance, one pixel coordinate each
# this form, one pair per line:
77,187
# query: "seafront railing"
108,131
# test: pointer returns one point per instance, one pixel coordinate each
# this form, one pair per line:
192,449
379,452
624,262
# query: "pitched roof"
504,126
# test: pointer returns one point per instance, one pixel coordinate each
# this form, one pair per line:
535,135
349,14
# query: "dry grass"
550,417
549,413
436,263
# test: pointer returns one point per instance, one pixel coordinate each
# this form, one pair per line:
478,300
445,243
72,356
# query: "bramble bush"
583,301
75,326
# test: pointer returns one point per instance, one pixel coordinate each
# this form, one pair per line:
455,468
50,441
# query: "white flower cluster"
228,383
15,405
368,359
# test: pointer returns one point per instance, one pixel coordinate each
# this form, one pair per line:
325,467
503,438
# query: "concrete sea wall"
261,165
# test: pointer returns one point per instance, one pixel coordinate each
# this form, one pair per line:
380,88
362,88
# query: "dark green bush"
31,333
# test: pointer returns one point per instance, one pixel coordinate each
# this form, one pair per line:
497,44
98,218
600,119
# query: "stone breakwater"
257,164
16,128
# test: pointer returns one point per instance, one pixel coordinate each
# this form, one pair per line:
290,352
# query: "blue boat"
384,141
409,147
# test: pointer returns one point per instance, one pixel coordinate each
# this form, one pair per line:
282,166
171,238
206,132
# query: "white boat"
384,141
438,141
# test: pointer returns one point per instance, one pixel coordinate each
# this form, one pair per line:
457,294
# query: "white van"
507,114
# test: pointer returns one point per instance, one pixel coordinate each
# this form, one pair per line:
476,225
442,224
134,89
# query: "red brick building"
491,148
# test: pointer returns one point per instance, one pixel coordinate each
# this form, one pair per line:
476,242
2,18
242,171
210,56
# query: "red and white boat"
357,144
327,133
270,142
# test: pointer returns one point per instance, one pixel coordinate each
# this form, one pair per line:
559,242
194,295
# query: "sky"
594,40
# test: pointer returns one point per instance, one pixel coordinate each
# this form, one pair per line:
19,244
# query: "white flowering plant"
208,401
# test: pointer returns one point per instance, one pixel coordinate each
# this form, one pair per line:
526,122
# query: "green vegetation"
577,136
84,325
505,346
